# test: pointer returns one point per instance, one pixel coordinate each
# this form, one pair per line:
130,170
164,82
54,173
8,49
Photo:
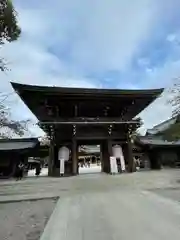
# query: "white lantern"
63,153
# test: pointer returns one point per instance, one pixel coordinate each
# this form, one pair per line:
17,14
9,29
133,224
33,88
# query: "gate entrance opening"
89,159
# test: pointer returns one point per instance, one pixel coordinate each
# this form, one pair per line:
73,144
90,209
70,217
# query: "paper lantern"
63,153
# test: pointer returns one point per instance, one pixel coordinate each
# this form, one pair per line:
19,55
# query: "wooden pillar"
110,147
131,165
101,157
74,157
106,150
51,159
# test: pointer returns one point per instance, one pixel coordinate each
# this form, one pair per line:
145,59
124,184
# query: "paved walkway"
120,215
125,209
46,187
134,206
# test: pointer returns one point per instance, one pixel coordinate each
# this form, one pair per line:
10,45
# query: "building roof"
18,144
128,102
86,91
163,126
90,149
144,140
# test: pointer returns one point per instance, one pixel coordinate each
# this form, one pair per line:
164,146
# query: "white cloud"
162,76
143,62
171,37
66,41
98,35
112,32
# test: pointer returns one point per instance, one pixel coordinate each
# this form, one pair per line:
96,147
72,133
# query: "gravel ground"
24,220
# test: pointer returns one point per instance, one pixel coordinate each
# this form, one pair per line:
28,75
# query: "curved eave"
87,91
18,144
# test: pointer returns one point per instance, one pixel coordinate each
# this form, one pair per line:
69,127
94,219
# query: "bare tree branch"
9,127
9,30
174,100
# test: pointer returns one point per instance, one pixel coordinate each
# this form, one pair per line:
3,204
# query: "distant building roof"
163,126
90,149
153,141
18,144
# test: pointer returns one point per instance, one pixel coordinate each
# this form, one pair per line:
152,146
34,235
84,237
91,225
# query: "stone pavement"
100,206
45,187
120,215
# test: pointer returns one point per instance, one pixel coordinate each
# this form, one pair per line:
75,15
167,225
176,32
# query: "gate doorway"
89,159
98,154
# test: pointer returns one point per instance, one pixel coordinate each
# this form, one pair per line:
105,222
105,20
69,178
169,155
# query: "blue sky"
96,43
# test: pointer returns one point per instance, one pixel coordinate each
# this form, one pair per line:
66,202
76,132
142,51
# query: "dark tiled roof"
17,144
156,142
86,91
129,102
162,126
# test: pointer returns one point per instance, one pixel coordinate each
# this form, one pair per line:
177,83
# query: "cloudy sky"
95,43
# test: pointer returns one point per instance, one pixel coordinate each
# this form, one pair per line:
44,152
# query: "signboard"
118,153
113,165
62,166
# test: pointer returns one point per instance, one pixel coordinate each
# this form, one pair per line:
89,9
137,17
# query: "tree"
174,97
9,29
173,132
9,127
44,140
